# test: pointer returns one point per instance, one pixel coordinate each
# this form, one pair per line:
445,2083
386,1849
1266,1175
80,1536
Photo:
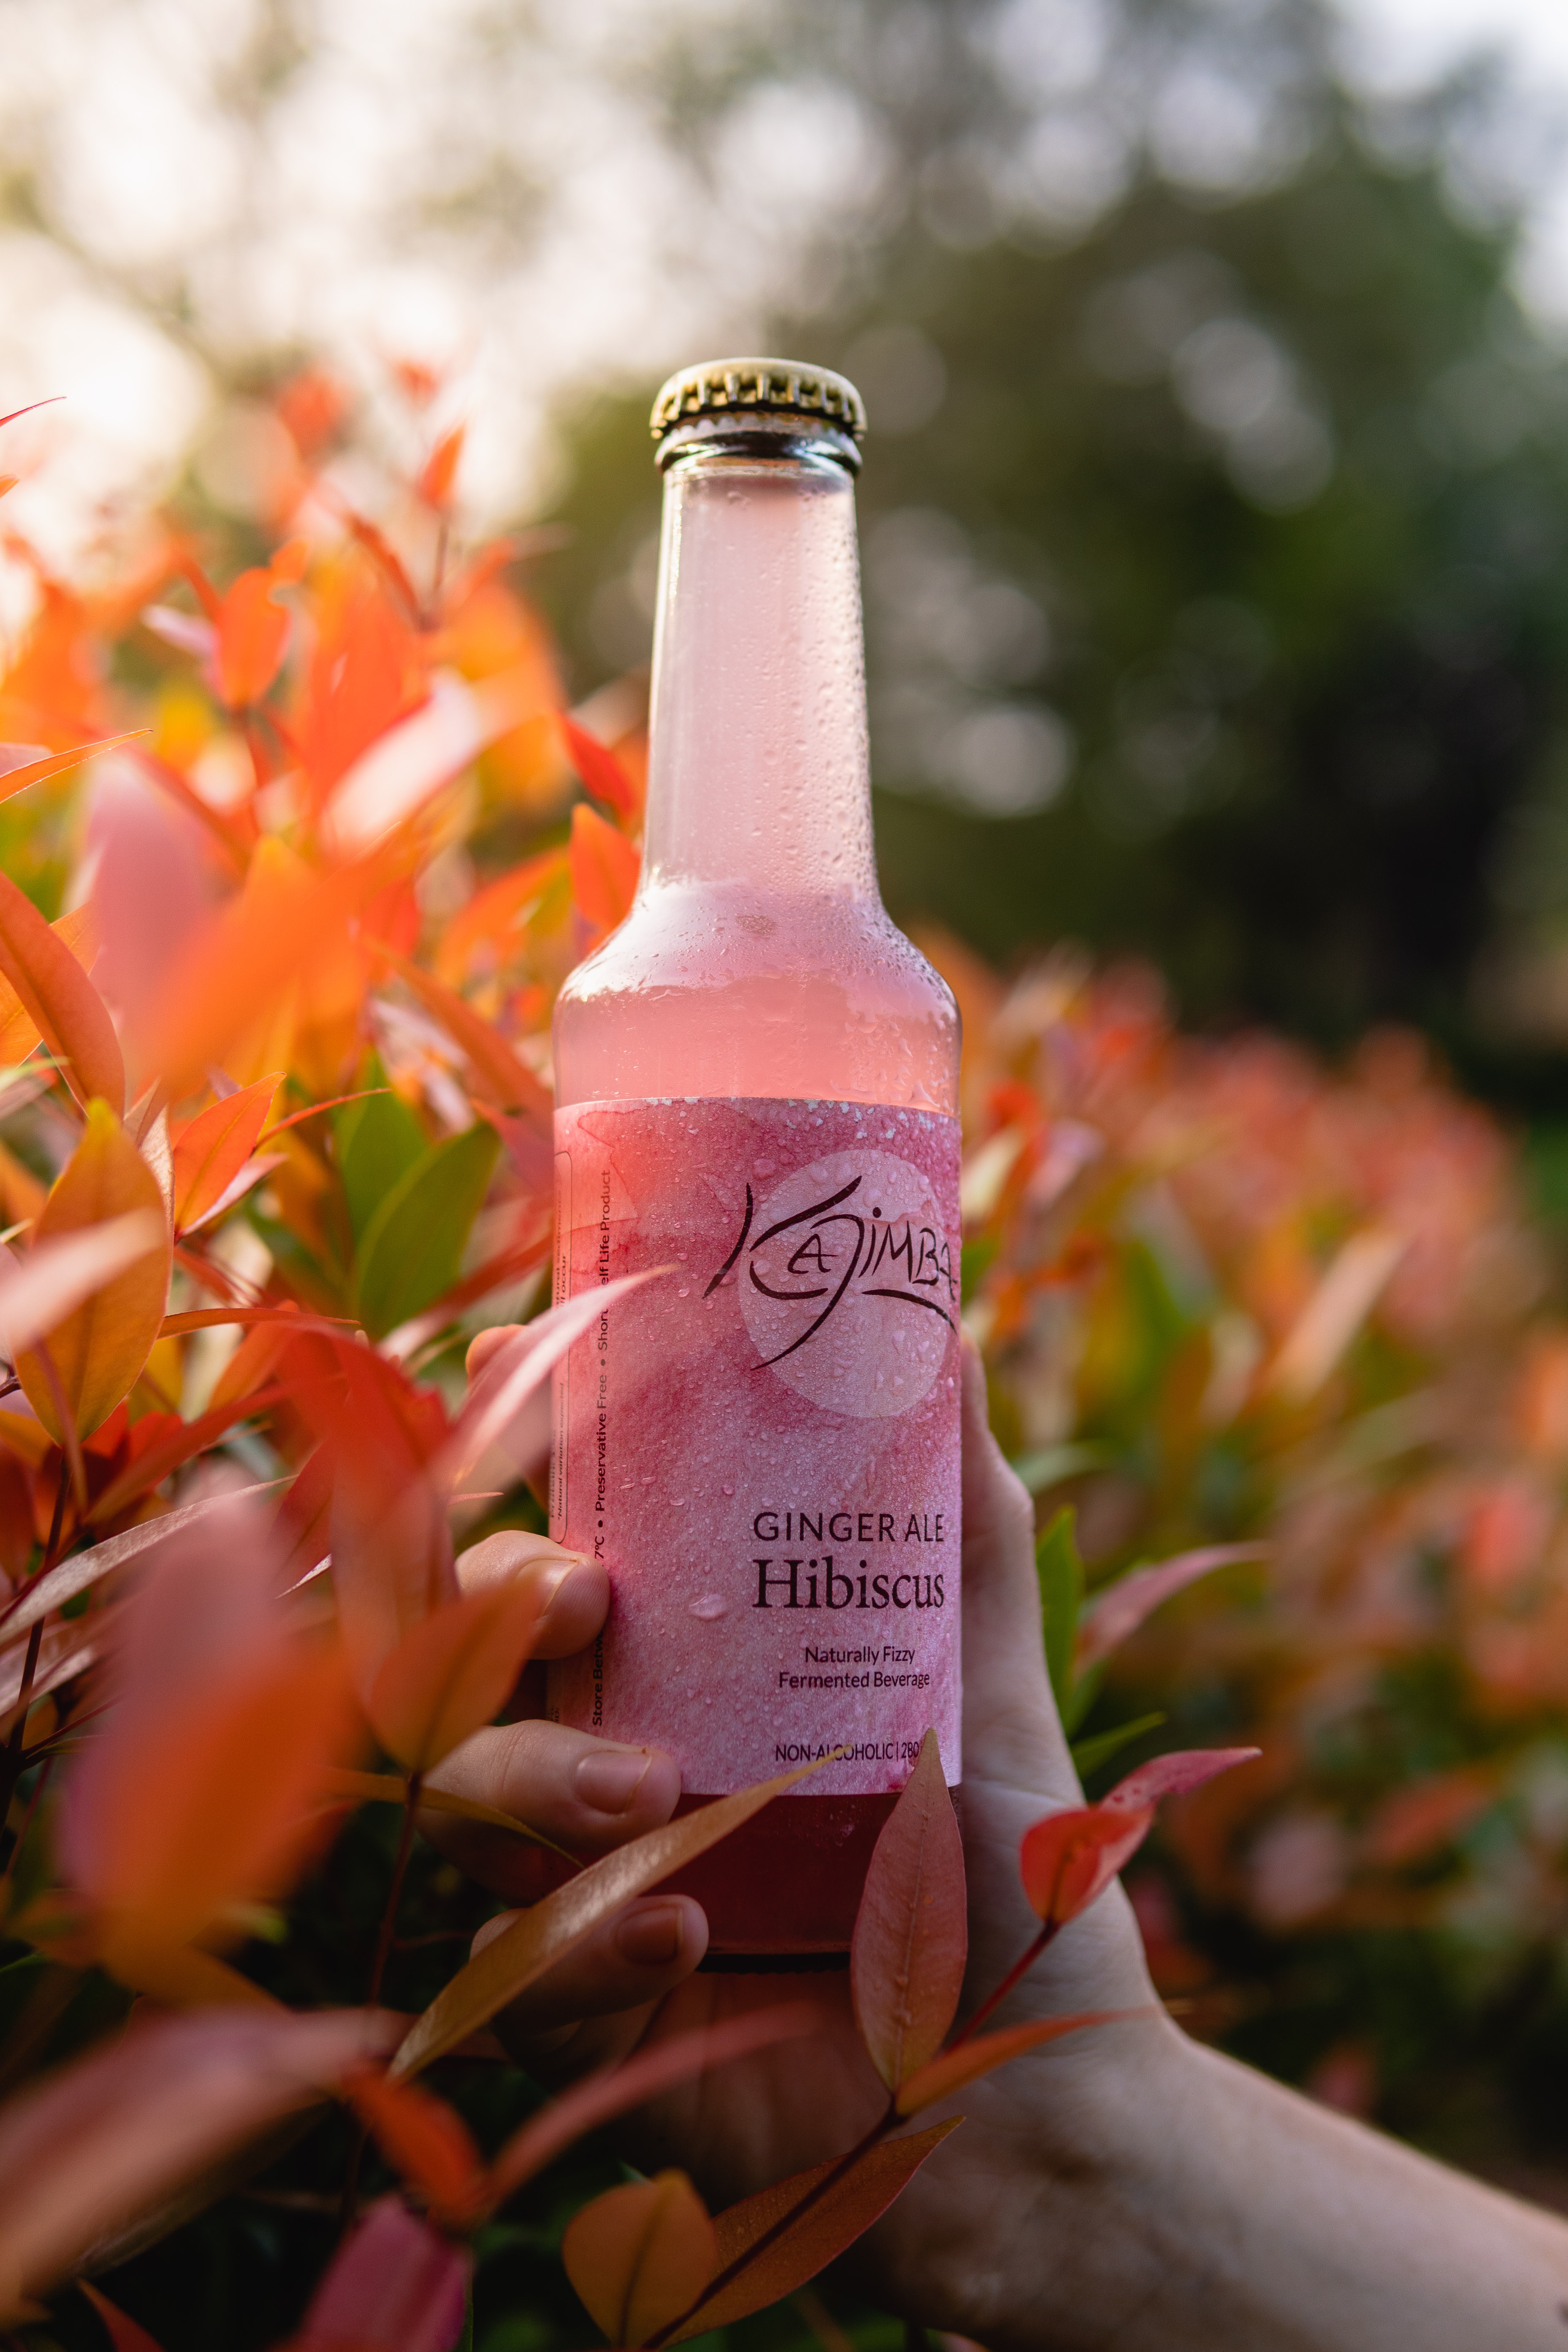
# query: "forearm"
1221,2210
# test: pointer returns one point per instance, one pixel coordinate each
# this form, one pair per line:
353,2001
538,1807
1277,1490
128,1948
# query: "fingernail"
650,1938
610,1778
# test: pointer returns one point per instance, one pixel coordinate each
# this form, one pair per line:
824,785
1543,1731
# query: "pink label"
761,1444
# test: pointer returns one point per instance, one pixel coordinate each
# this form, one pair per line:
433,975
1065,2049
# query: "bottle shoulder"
712,937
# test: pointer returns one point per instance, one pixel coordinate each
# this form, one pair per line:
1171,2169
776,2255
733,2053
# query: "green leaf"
413,1245
379,1141
1052,1464
1089,1755
1061,1598
974,1264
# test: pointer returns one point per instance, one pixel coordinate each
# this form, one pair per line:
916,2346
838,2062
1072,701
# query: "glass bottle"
756,1088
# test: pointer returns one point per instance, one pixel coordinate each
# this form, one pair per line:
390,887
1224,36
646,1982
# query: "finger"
628,1962
579,1589
587,1795
1011,1729
488,1343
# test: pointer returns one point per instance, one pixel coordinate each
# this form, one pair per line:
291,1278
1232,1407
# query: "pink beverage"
756,1088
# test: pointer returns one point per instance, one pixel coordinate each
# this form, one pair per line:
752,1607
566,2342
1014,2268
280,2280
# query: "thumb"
1011,1729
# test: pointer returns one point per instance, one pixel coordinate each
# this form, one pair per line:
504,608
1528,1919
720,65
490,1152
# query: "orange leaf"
101,1346
449,1675
604,868
252,632
39,1291
601,772
60,1000
435,485
214,1808
911,1936
34,772
212,1148
497,1073
535,1940
954,2068
286,925
639,2256
803,2248
123,2332
426,2140
19,1033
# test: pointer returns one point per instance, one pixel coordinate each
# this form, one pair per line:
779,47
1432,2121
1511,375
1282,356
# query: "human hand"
1015,2190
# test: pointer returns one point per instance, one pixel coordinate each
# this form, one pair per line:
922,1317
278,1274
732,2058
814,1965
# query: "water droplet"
726,1490
708,1606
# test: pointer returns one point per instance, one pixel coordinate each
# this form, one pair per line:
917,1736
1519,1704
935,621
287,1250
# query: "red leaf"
62,1003
395,2286
1072,1856
604,868
601,772
182,1445
391,1551
803,2248
911,1937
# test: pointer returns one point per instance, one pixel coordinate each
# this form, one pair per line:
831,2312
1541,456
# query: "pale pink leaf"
112,2136
1174,1775
1117,1613
414,759
85,1569
396,2286
517,1373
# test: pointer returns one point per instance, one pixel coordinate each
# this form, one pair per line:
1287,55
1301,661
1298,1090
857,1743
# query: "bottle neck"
758,765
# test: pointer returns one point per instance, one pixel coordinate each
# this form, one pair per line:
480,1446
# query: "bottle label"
762,1444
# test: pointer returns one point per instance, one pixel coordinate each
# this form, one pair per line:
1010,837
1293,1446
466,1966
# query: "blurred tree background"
1213,517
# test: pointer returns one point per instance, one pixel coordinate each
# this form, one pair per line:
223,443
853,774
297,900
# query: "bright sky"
1398,44
415,191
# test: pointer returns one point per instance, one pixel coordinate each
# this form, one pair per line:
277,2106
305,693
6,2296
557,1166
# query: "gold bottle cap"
775,387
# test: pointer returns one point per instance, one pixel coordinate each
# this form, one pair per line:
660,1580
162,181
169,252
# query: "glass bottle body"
757,961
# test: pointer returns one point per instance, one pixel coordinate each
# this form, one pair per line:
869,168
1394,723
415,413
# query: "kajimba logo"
846,1282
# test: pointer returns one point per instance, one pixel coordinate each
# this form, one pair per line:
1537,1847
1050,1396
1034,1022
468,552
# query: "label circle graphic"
847,1285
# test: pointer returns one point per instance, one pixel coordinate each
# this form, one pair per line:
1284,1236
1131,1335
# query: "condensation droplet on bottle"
708,1606
726,1490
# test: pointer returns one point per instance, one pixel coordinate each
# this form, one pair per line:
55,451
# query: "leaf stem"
993,2001
13,1762
384,1943
803,2205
